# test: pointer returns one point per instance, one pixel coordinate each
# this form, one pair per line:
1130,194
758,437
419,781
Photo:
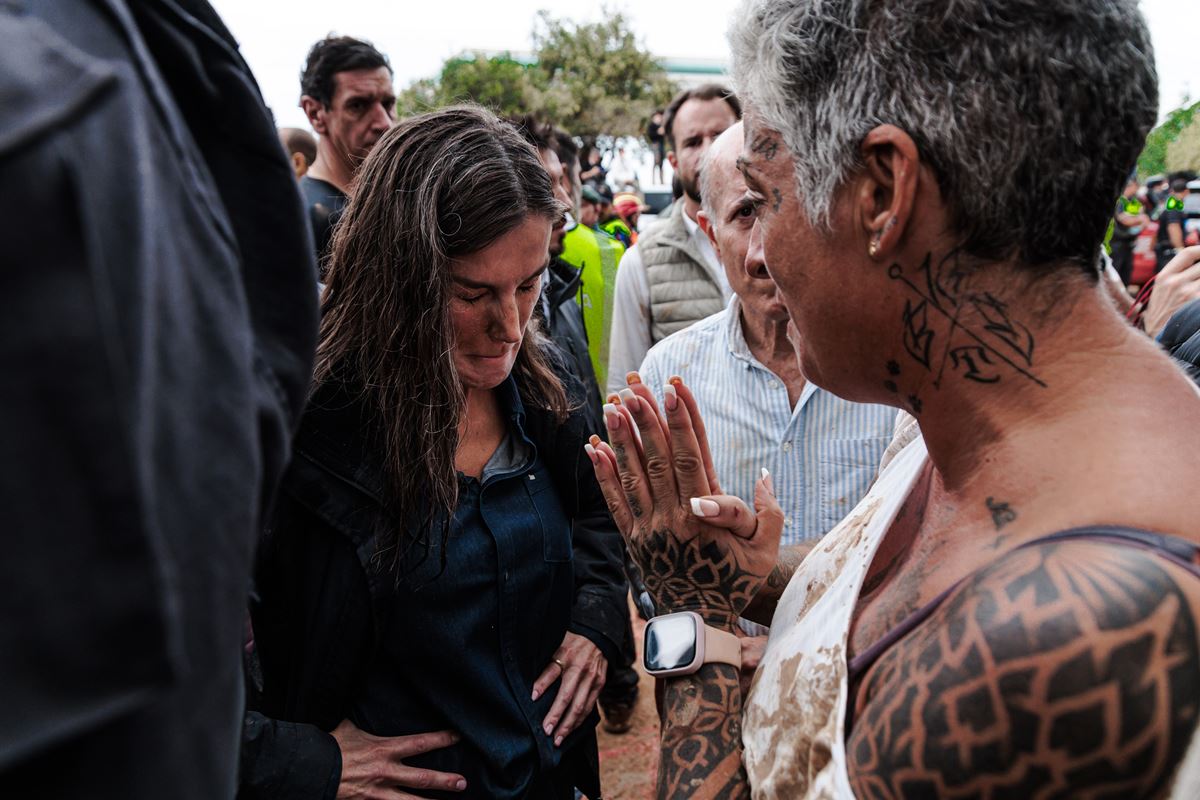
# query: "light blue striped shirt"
822,454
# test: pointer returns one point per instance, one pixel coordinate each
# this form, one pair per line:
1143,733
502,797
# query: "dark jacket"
1181,338
156,340
567,329
324,606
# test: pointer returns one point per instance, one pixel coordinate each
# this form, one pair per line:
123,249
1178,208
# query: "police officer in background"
597,256
1128,219
1171,221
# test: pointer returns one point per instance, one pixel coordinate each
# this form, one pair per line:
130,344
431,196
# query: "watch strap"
722,647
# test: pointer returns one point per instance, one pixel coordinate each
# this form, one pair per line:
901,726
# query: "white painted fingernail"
670,397
766,475
591,451
626,395
705,508
558,741
612,417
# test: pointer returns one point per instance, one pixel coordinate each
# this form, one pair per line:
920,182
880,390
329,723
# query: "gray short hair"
706,181
1029,112
706,186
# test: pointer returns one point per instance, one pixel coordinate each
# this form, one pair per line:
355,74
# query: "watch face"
670,642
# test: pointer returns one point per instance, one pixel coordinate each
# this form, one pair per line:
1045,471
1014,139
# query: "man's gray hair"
706,186
1029,112
706,182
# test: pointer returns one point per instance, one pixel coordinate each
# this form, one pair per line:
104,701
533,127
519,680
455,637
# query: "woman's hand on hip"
698,550
580,668
373,769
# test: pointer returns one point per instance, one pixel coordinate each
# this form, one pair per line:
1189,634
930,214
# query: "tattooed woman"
441,578
1012,610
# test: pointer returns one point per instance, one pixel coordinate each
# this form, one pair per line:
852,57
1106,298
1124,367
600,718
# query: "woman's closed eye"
535,281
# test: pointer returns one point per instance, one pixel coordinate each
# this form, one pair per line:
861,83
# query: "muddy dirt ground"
628,763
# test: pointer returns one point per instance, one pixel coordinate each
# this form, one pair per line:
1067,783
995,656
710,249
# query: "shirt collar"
509,400
734,334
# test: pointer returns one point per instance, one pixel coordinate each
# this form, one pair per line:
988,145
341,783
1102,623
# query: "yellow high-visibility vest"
617,229
597,256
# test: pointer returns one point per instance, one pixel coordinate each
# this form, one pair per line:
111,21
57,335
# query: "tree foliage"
499,82
1160,154
598,80
1183,154
594,79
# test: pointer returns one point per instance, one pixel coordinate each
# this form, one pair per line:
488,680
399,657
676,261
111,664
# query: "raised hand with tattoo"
699,551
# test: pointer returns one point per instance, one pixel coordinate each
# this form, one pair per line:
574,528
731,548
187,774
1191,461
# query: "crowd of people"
339,464
1164,214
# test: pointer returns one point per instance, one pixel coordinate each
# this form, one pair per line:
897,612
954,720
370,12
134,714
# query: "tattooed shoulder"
1063,670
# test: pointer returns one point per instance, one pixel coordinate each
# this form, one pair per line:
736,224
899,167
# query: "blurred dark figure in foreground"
156,339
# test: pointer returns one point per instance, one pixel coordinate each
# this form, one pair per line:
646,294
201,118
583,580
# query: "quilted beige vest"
681,290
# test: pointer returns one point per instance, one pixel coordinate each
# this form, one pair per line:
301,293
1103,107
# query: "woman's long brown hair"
437,187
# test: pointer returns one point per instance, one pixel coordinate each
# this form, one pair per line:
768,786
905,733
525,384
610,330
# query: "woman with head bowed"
441,584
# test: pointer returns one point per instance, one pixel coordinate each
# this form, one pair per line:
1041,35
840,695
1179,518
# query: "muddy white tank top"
793,722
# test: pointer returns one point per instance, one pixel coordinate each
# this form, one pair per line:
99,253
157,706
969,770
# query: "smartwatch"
680,643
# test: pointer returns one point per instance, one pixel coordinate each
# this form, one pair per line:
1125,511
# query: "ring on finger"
561,665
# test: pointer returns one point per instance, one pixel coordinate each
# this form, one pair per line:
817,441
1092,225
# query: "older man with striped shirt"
758,408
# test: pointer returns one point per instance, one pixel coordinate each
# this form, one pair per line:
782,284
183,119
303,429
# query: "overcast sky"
418,36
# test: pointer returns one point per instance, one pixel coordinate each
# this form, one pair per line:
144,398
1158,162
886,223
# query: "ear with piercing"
873,247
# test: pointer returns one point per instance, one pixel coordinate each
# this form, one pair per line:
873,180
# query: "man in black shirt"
1170,224
346,92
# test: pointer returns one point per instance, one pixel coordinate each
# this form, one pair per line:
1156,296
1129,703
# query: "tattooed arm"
697,552
1065,670
762,607
702,736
